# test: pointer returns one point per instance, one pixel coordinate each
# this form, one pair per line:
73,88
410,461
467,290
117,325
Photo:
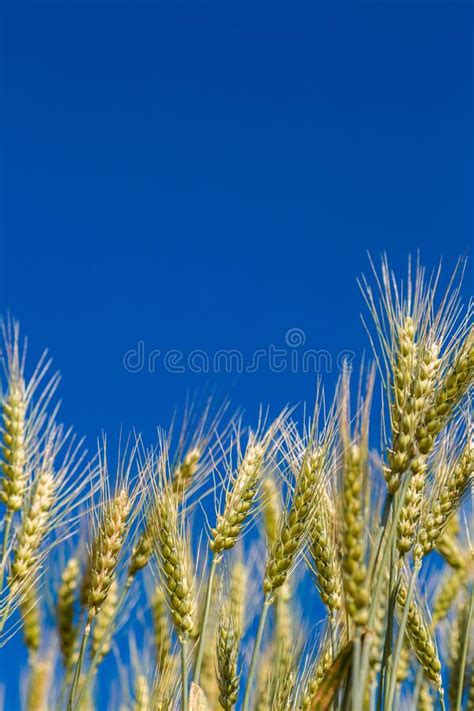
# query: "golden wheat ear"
27,414
425,357
308,460
170,546
25,405
66,612
200,448
161,628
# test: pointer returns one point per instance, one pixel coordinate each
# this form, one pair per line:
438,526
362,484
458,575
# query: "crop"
320,563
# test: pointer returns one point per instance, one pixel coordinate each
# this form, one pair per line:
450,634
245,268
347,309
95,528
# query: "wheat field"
319,560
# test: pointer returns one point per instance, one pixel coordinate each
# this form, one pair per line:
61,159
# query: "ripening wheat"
321,566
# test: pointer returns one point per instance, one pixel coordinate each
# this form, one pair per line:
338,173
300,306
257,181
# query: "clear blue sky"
210,175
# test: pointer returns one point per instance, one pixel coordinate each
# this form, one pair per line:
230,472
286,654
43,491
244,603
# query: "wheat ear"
227,653
182,477
106,549
402,417
30,613
65,612
316,676
142,694
171,549
184,472
425,700
325,554
295,522
101,631
271,502
448,394
237,597
33,528
451,585
293,527
449,490
447,546
421,638
240,498
161,629
39,685
14,446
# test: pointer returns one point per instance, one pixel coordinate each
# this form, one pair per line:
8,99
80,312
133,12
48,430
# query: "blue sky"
207,176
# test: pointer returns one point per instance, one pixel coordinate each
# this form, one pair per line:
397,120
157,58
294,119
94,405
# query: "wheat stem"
77,670
357,689
401,635
207,606
98,651
184,682
258,640
378,564
464,653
